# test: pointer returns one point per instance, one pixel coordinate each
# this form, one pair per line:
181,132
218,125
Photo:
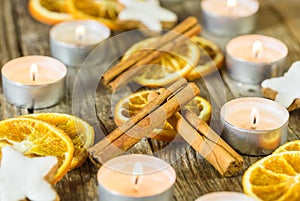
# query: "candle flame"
33,71
137,175
254,118
80,33
257,49
231,4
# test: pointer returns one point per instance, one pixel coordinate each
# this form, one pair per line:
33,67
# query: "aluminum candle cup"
136,177
254,58
254,126
72,41
33,81
229,17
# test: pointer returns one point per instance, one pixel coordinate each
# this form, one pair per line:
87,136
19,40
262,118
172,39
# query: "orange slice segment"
289,146
80,132
275,177
169,67
210,60
104,11
36,138
133,103
48,11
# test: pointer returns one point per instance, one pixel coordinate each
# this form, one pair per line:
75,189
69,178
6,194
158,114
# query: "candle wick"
254,123
256,54
33,77
136,182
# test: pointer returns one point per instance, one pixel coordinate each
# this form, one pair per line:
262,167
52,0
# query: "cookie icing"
148,12
287,86
23,177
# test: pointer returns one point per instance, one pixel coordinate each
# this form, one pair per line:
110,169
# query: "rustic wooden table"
21,35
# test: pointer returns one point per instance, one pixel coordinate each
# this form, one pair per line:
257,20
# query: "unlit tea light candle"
136,177
254,126
229,17
33,81
254,58
72,41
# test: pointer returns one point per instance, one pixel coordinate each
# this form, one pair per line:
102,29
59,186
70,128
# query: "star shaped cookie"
22,177
148,12
285,89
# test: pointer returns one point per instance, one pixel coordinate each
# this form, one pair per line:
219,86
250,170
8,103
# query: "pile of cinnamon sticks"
165,106
124,71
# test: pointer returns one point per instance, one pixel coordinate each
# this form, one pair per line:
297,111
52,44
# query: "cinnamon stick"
208,143
151,54
153,120
125,64
152,105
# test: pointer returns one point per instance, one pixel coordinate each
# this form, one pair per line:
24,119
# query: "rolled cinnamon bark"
154,119
127,69
208,143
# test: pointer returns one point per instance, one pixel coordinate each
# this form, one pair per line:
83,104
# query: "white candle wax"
269,131
44,75
242,48
239,115
243,8
229,17
116,178
72,41
67,34
244,66
47,87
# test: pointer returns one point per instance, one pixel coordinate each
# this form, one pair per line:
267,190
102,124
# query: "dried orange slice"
104,11
275,177
210,60
37,138
80,132
289,146
49,11
169,67
133,103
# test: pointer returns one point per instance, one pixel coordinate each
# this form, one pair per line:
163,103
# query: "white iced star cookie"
149,13
22,177
285,89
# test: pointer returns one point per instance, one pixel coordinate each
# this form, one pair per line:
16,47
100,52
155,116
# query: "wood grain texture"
21,35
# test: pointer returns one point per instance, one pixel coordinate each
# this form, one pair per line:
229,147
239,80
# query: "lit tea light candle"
229,17
254,58
136,177
33,81
254,126
72,41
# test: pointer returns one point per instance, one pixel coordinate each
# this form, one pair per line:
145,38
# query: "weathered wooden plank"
289,16
22,35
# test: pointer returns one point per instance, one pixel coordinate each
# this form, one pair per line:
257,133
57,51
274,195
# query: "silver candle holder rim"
213,14
257,131
163,166
11,62
138,197
32,85
282,58
105,34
